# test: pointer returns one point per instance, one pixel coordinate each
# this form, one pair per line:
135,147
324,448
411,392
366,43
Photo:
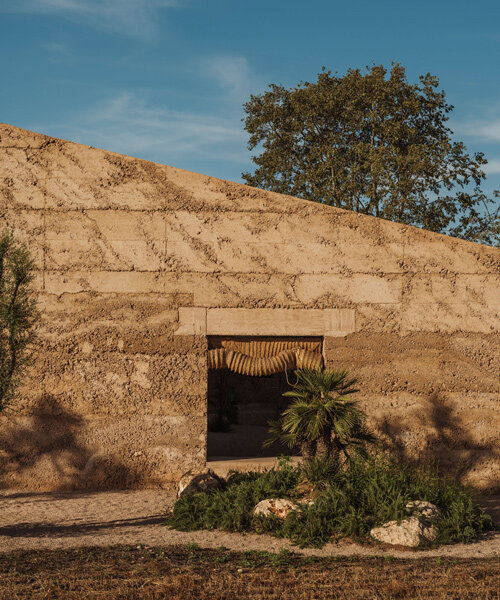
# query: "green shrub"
370,493
365,494
232,507
18,314
319,471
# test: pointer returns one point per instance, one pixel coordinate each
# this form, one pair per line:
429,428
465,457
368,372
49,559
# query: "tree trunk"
337,448
325,447
307,449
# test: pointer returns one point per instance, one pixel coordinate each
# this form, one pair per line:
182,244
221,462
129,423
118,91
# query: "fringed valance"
265,358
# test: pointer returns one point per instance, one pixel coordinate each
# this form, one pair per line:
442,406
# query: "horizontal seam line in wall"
221,209
291,307
21,147
172,211
267,273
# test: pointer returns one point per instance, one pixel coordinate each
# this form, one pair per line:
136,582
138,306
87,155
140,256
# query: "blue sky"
165,79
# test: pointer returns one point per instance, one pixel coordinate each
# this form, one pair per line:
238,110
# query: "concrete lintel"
331,322
192,320
339,322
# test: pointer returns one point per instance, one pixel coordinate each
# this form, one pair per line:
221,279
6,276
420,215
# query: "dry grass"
187,572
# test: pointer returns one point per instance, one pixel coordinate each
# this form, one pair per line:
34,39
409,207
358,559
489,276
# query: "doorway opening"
247,378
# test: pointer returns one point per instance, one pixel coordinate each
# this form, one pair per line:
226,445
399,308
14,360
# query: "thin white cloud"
232,73
493,167
129,17
128,123
480,130
57,51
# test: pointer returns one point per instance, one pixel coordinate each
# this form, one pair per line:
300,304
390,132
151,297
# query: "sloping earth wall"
116,399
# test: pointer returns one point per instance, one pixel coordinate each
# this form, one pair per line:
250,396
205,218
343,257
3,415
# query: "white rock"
425,510
410,532
192,482
279,507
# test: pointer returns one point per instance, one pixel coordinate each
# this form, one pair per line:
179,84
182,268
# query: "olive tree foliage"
373,143
18,314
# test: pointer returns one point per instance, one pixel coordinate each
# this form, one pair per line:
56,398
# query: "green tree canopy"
373,143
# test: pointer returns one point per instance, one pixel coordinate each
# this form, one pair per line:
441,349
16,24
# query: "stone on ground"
278,507
410,532
192,482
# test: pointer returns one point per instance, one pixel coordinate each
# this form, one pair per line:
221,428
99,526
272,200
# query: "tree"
321,420
375,144
18,314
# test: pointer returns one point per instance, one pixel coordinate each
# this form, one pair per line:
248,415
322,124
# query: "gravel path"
70,519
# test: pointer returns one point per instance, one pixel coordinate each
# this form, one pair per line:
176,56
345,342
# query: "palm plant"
321,420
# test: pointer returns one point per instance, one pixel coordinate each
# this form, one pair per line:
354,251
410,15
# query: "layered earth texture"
137,264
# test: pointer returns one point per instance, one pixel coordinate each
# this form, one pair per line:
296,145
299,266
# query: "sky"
165,80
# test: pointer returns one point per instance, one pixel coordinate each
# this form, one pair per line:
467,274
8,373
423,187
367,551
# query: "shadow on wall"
447,443
44,451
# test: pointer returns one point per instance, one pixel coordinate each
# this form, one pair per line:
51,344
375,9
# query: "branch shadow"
448,444
45,449
74,529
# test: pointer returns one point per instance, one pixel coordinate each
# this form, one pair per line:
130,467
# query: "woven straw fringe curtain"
265,358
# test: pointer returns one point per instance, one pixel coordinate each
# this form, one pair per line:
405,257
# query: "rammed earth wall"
117,394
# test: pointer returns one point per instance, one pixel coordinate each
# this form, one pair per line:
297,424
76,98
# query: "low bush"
319,471
232,507
369,493
350,501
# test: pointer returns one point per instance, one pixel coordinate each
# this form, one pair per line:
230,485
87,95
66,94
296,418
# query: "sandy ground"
70,519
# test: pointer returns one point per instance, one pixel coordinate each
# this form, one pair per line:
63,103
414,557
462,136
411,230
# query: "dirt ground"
187,572
56,520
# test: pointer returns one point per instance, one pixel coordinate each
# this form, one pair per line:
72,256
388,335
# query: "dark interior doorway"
239,410
251,403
